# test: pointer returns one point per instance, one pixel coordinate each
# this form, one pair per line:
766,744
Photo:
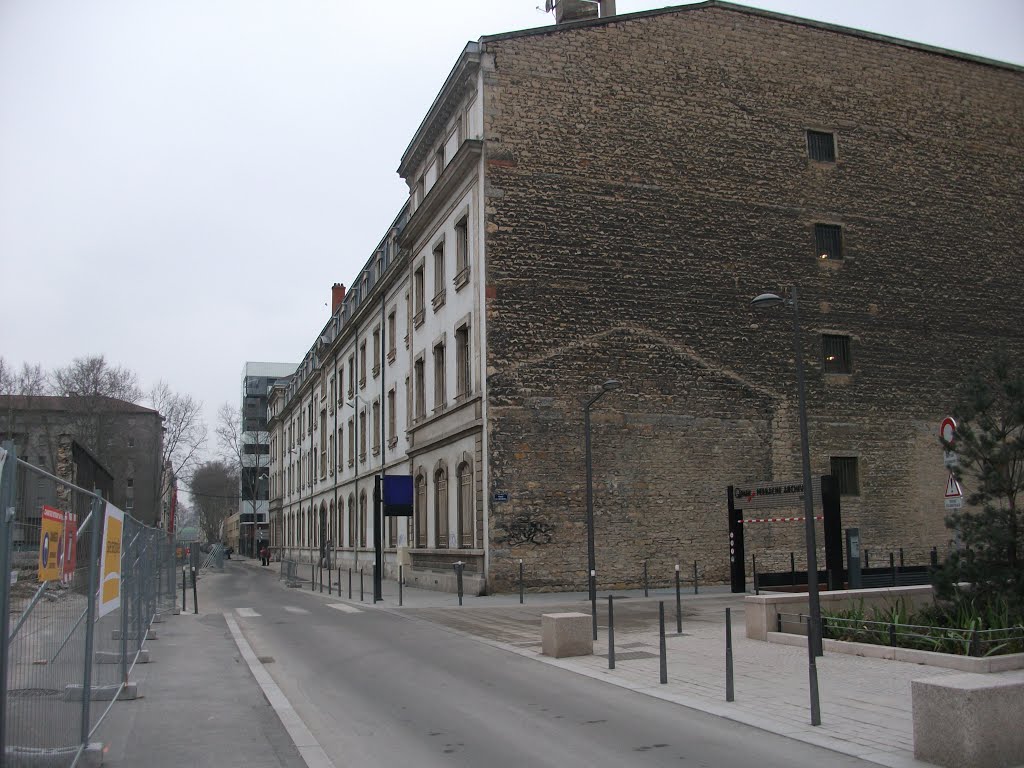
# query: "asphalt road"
378,689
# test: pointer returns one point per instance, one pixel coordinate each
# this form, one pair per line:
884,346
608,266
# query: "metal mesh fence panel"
67,657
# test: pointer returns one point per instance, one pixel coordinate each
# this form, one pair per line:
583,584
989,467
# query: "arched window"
362,519
441,507
466,515
421,510
352,521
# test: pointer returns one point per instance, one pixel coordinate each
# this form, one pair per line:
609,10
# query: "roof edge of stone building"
62,403
745,9
466,64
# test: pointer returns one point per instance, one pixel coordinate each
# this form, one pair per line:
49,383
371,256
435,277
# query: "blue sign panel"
397,495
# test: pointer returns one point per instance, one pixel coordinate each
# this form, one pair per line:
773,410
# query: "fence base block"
150,635
113,657
158,618
125,692
35,757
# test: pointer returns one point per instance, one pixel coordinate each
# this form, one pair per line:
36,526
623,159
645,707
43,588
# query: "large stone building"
601,199
123,440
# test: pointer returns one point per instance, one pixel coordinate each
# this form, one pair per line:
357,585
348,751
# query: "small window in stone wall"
836,353
828,241
844,469
821,146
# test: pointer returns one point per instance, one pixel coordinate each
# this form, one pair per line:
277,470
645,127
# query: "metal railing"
65,658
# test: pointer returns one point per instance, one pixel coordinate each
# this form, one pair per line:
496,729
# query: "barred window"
836,352
828,241
844,470
821,146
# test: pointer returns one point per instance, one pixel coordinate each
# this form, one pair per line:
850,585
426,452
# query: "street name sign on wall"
754,496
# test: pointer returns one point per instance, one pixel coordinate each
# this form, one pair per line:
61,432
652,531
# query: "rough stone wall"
645,179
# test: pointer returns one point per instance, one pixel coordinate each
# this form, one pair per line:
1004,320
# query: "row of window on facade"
300,528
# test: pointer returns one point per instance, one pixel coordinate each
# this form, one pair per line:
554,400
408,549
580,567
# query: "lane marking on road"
345,607
295,609
246,613
309,748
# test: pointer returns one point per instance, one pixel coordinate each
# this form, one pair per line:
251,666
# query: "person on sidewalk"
264,556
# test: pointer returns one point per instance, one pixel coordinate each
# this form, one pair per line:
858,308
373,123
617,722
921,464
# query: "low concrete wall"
1005,663
762,611
968,719
443,581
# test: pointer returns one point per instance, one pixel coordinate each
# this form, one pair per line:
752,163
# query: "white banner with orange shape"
110,562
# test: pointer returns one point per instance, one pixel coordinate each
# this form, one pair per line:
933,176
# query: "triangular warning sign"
953,489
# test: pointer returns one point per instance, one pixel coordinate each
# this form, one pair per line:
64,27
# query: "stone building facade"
602,199
123,439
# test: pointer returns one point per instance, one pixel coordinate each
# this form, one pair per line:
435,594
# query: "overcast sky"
181,181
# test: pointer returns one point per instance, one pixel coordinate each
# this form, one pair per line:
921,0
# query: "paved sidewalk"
198,706
865,703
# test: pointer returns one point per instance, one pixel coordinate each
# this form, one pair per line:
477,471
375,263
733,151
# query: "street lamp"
813,640
607,386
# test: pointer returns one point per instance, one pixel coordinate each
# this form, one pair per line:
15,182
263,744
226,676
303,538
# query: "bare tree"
95,388
214,490
6,378
31,381
184,430
93,377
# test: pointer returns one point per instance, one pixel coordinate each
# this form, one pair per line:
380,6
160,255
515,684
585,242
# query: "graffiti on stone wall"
526,530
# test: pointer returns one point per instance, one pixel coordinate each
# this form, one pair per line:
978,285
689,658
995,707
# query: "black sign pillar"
737,574
378,541
833,532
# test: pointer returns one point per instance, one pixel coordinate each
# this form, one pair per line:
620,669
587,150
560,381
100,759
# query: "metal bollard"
349,583
593,601
312,576
195,595
520,581
184,601
321,573
661,632
645,580
679,605
360,585
695,589
611,634
330,576
792,569
729,692
458,577
399,586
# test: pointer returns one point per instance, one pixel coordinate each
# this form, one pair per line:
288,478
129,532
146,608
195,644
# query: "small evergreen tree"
989,440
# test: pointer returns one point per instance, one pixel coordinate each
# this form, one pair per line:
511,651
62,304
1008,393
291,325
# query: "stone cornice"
464,162
461,76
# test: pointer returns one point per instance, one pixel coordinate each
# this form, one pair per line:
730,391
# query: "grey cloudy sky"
181,181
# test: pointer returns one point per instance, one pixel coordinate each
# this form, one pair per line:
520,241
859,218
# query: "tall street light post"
814,628
607,386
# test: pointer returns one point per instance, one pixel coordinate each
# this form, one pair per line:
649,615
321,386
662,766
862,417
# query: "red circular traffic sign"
947,429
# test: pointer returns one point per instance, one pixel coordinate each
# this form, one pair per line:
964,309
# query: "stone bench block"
969,719
566,634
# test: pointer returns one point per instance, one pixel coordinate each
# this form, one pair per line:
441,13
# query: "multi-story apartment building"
601,199
258,379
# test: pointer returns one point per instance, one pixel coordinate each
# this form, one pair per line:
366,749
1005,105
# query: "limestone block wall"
645,178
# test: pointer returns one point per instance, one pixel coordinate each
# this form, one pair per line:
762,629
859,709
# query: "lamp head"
611,384
766,300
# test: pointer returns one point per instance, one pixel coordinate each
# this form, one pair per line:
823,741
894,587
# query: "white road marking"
344,607
295,609
309,748
246,613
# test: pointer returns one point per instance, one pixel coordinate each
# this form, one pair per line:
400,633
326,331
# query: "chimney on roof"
578,10
337,296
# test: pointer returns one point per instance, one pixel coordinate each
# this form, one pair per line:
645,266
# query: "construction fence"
82,583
